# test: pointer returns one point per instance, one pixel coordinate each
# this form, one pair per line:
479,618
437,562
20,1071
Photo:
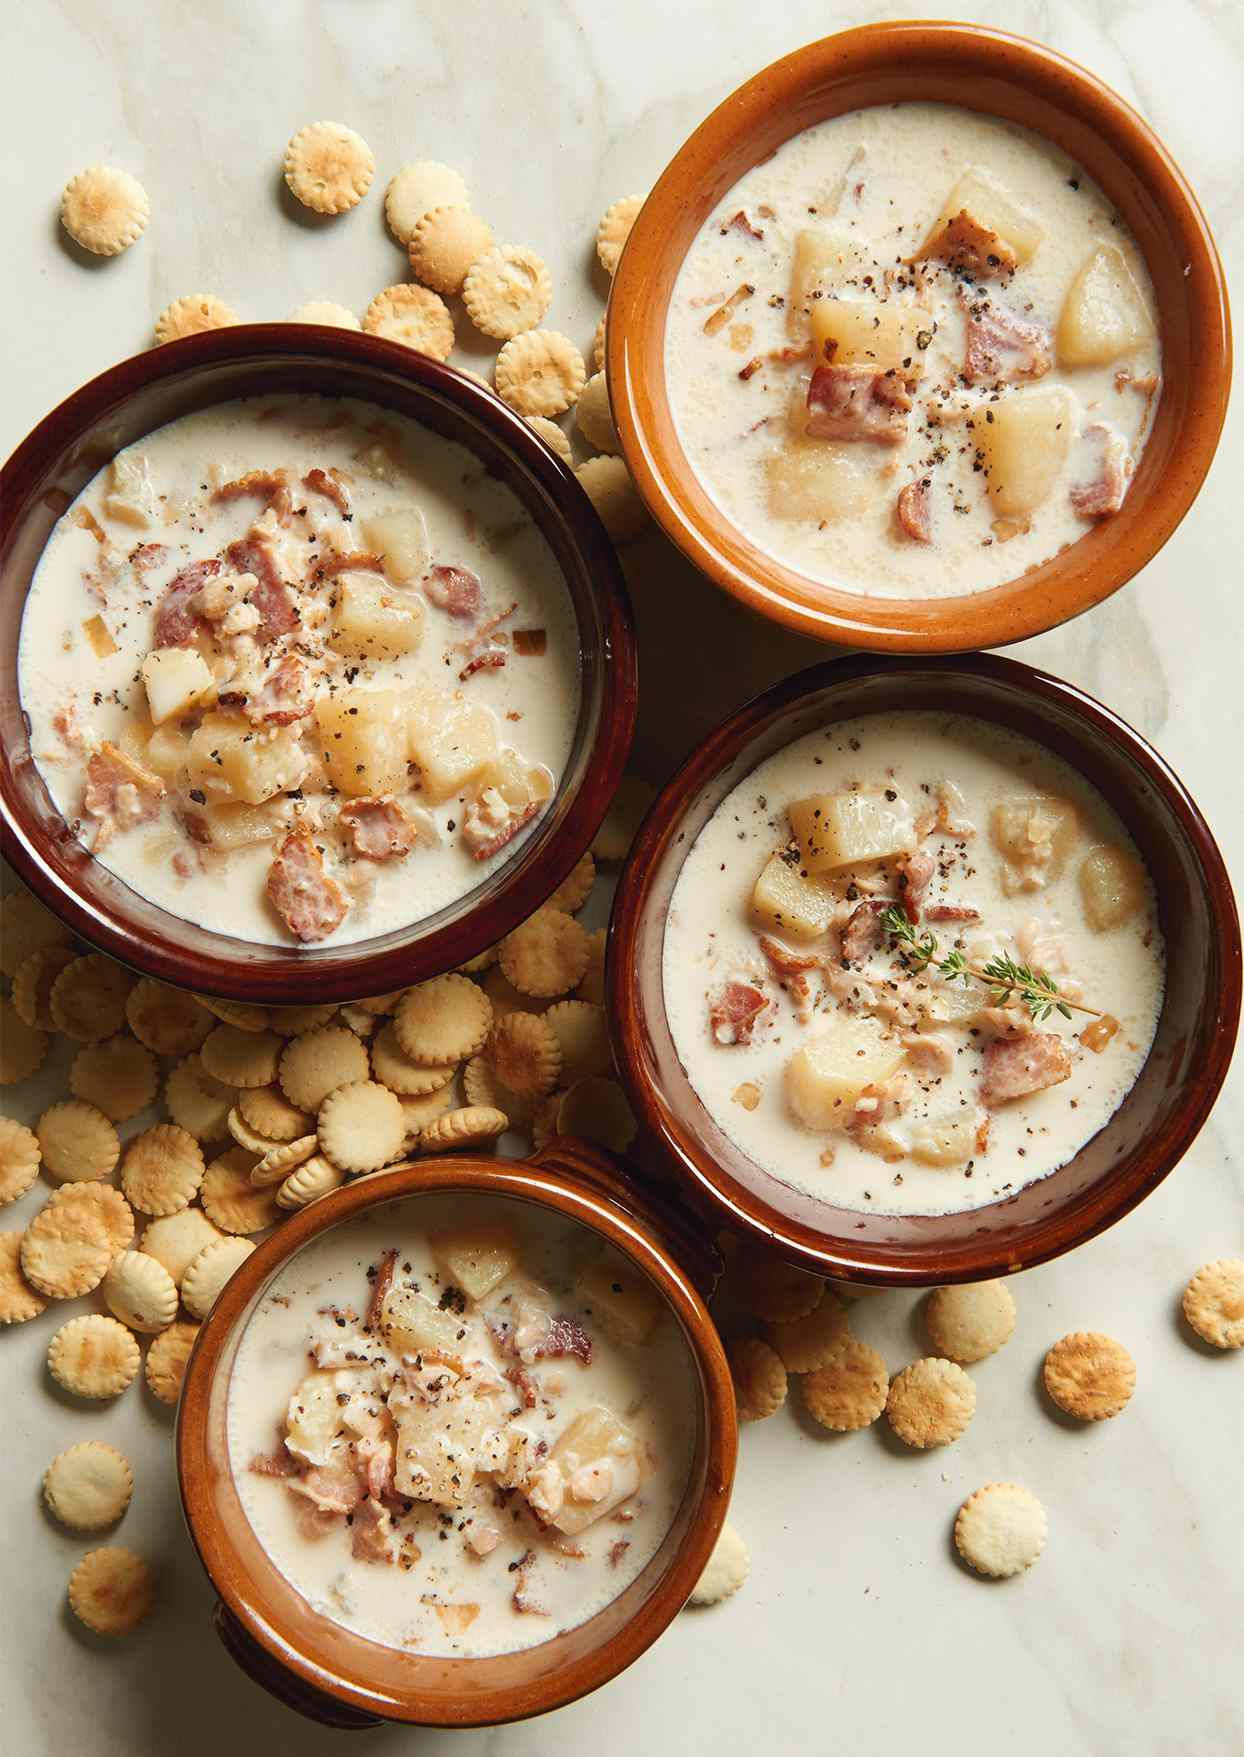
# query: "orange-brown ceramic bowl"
55,463
977,68
1118,1166
341,1678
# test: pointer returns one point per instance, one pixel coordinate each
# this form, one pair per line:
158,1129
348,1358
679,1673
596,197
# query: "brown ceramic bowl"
75,440
339,1677
976,68
1142,1141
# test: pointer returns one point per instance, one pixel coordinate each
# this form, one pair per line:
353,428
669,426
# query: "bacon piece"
915,872
783,961
176,624
327,567
147,555
278,1463
970,249
484,841
1103,493
618,1550
309,901
721,317
862,933
1002,347
522,1599
333,1488
524,1384
912,511
314,1522
565,1336
456,590
951,912
330,485
856,402
733,1009
119,792
379,828
371,1533
741,223
492,659
381,1283
270,595
283,697
270,486
1017,1066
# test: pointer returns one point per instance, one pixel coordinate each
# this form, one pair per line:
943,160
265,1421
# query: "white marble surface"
857,1630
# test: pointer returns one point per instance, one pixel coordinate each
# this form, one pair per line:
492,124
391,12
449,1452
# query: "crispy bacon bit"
455,590
783,961
522,1599
720,318
379,828
1098,1032
1002,347
371,1534
283,697
524,1384
741,223
491,659
270,486
565,1336
529,643
278,1463
331,485
270,595
982,1134
618,1550
1014,1067
862,933
147,555
733,1009
969,248
952,912
753,366
484,841
87,520
310,902
915,873
790,355
327,567
912,511
119,792
176,623
1103,493
333,1488
855,402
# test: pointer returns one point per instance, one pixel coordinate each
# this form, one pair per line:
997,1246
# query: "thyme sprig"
1038,991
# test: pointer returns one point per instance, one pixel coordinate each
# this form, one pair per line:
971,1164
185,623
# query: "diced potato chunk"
822,261
798,908
167,751
476,1260
518,782
370,621
949,1139
363,740
438,1447
229,759
450,740
1034,833
847,829
1104,314
313,1418
1113,887
411,1323
990,209
953,1003
811,479
131,493
226,827
175,678
598,1459
400,539
627,1305
1025,447
824,1079
869,332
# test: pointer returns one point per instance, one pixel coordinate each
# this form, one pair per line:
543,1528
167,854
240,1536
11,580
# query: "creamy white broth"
712,937
98,565
876,180
437,1595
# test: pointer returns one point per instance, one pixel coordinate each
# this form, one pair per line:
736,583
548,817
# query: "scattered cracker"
88,998
539,372
614,229
931,1403
26,927
167,1359
104,210
328,167
507,291
66,1249
94,1357
19,1159
445,242
1213,1303
294,1021
575,888
19,1301
546,955
394,1068
382,1004
759,1378
230,1200
525,1054
197,1102
105,1203
244,1014
416,189
481,1086
806,1344
582,1031
362,1023
360,1126
445,1020
415,316
607,483
241,1058
553,437
1000,1530
1089,1375
419,1111
726,1571
111,1591
88,1486
277,1163
456,1129
162,1169
210,1270
117,1076
78,1142
22,1046
773,1290
311,1181
270,1114
317,1063
594,417
191,316
968,1323
33,982
244,1134
325,312
597,1110
505,998
592,986
175,1240
139,1292
166,1020
480,962
850,1390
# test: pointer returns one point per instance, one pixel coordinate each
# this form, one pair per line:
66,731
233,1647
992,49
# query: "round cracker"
19,1159
118,1076
139,1292
1089,1376
594,416
759,1376
34,981
282,1159
267,1110
78,1142
210,1270
175,1240
614,229
66,1249
444,1020
167,1359
481,1086
850,1391
415,316
193,315
808,1343
230,1200
930,1403
88,998
245,1135
456,1130
771,1289
111,1590
592,984
88,1486
19,1301
241,1058
327,313
1001,1529
504,998
26,927
293,1021
607,483
196,1102
598,343
970,1322
244,1014
507,291
576,887
597,1110
526,1054
105,210
417,188
419,1110
1213,1303
162,1169
22,1046
393,1067
102,1202
546,955
539,372
558,444
726,1571
445,242
168,1021
94,1357
328,167
316,1063
583,1034
309,1182
360,1126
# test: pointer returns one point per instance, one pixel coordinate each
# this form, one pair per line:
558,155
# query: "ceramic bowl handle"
581,1162
262,1669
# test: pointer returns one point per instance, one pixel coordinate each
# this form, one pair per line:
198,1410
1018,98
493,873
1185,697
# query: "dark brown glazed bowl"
976,68
341,1678
1112,1172
78,438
